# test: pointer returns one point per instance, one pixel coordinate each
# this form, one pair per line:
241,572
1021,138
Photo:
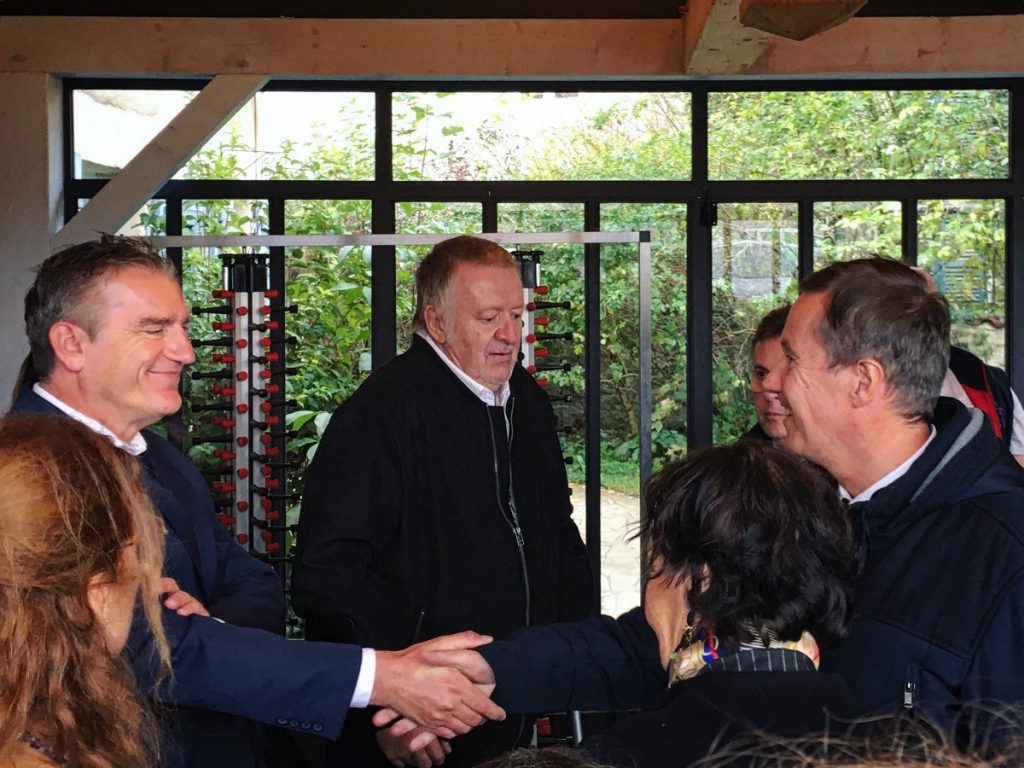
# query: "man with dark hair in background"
766,350
438,499
107,327
941,616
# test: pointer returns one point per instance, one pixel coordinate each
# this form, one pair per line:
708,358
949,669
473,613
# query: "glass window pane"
330,288
275,135
149,221
962,245
845,231
540,217
507,136
224,217
327,217
754,270
419,218
620,332
939,134
292,135
111,126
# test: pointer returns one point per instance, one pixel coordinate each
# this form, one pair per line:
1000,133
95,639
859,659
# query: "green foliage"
648,138
331,293
859,135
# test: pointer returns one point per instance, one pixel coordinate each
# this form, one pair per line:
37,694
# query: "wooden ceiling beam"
342,47
980,45
715,42
382,48
797,19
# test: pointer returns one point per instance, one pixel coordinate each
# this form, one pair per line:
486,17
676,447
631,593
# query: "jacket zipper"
514,522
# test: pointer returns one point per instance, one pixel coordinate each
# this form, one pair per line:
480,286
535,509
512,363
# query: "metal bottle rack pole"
251,490
535,358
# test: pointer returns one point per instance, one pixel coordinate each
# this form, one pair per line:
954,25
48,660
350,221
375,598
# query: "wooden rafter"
715,43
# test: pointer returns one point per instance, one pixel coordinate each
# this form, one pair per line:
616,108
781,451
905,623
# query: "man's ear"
433,320
67,341
869,382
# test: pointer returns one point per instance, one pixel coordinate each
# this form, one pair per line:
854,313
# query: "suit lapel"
181,520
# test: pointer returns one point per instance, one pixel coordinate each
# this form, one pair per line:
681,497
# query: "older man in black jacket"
438,499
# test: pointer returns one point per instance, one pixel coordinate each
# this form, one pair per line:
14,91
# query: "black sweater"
406,532
403,534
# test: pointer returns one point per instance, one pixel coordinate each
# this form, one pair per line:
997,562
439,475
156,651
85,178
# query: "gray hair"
435,271
879,307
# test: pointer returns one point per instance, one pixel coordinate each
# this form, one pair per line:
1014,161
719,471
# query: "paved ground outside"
620,557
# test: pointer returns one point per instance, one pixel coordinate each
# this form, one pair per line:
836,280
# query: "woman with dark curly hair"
79,542
752,562
755,545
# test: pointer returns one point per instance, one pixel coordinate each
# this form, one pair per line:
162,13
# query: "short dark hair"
771,326
435,271
779,547
879,307
65,280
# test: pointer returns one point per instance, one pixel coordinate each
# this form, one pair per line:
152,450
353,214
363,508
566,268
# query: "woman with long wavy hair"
79,545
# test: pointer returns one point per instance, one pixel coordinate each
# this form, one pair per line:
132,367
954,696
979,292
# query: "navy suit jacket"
239,667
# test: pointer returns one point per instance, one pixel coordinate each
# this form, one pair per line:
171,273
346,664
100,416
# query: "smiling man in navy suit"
108,330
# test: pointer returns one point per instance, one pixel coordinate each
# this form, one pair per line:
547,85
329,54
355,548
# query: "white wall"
30,202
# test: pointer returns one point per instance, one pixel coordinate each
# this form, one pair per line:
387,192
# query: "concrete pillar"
31,206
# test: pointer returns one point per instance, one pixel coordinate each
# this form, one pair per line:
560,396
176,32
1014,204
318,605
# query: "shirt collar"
890,478
484,393
135,446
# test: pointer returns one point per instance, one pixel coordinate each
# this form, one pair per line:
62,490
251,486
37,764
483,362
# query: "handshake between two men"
429,693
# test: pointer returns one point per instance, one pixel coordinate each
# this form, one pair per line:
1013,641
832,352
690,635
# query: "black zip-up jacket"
407,531
940,622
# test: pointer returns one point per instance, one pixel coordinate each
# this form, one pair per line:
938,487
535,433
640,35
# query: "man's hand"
180,601
468,662
418,683
399,750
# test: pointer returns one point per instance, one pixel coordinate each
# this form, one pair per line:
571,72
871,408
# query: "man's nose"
510,330
179,347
